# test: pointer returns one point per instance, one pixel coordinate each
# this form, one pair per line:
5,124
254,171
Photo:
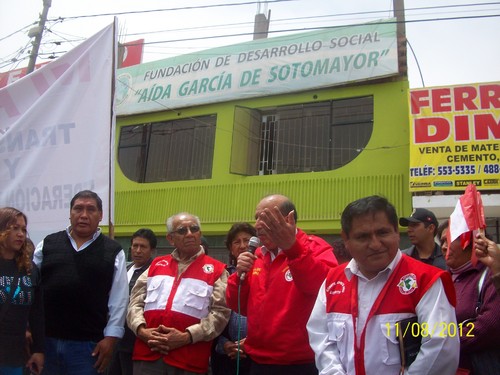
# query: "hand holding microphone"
246,259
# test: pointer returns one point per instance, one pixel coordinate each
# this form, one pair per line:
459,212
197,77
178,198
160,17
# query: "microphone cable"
253,243
238,336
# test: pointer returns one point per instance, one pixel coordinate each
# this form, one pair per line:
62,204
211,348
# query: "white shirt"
131,271
118,295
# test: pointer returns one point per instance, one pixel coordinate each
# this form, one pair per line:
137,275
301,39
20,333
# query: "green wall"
381,168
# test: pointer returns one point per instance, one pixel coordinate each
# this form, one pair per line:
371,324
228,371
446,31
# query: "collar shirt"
184,263
86,244
131,271
265,251
368,290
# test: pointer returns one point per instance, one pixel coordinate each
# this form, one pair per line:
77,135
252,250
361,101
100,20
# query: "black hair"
368,205
147,234
237,228
441,228
87,194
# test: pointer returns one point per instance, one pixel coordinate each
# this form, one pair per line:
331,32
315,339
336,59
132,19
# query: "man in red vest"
356,321
178,306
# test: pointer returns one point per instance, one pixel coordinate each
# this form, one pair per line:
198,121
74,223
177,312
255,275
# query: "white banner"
56,135
261,67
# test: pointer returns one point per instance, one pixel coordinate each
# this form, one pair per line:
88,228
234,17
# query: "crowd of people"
286,303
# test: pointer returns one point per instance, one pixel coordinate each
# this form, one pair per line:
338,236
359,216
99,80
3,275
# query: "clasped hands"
163,339
231,349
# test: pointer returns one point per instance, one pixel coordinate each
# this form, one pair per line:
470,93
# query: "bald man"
278,290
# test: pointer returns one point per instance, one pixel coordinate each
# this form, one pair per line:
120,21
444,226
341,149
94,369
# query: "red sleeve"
310,259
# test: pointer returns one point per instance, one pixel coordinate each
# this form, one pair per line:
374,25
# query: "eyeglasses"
183,230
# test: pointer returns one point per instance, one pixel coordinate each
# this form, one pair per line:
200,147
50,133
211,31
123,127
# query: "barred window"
309,137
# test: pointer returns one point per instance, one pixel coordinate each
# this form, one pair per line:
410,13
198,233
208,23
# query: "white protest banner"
56,135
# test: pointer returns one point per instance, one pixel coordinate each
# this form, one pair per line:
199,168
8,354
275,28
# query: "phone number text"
454,170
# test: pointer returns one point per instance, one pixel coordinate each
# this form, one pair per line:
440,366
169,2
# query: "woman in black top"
20,299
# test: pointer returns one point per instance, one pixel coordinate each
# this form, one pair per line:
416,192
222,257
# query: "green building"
321,117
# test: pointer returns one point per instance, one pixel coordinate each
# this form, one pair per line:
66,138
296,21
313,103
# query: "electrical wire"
175,9
408,10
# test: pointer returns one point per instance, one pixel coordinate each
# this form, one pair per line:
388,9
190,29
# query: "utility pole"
38,36
261,23
399,13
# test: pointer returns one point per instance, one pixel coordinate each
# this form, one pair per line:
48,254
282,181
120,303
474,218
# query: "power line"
302,29
284,30
173,9
17,31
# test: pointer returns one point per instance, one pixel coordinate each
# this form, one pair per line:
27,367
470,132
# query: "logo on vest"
208,268
337,287
407,284
288,276
162,263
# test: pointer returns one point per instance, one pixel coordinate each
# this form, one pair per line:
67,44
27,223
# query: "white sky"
449,52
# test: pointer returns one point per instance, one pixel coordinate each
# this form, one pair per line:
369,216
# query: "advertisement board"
455,137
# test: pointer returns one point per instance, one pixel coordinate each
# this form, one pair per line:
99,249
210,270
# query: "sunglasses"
183,230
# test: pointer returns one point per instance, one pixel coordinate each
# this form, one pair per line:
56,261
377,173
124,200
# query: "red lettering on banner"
483,123
464,97
418,99
431,129
462,132
456,99
8,104
490,96
437,129
441,100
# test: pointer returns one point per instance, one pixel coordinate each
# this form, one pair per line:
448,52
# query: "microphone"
253,244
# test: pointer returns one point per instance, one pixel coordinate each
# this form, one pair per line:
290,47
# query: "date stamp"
439,329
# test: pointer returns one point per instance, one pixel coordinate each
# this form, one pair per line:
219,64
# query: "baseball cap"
419,215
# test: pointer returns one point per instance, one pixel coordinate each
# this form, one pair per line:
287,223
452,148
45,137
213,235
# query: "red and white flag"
467,217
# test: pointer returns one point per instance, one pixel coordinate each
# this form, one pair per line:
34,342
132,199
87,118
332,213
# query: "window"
168,151
309,137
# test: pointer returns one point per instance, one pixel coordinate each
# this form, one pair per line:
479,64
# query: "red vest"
179,302
406,285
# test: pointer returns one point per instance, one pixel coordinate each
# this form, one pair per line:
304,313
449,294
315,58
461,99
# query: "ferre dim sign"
455,137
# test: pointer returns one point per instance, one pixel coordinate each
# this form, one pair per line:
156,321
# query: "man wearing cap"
422,228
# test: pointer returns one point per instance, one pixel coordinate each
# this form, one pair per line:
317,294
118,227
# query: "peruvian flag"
467,218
